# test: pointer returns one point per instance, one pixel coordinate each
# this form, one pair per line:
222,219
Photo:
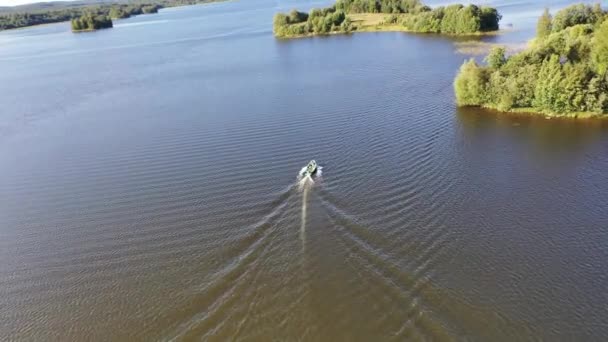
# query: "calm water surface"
148,189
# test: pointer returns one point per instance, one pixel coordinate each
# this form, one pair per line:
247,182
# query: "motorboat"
311,168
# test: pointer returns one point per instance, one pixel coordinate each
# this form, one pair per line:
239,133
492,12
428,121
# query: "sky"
20,2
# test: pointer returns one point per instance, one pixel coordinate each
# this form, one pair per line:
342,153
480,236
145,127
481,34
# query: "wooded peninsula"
563,72
85,15
387,15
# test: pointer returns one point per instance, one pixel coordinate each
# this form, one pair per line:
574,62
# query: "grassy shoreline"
376,22
529,111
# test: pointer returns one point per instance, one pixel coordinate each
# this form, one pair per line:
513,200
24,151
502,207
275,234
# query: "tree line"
90,21
31,15
318,21
381,6
413,15
125,11
562,73
453,19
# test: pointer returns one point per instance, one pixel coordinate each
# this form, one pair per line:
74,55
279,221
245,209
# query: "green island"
387,15
85,15
89,22
562,73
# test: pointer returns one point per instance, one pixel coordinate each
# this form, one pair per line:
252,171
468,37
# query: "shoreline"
35,25
531,112
91,30
391,28
132,16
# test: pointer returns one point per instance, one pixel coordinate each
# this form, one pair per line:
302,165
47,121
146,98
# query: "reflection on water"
546,141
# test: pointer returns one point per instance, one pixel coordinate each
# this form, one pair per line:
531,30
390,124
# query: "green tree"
543,27
451,19
574,15
470,85
490,19
548,93
76,25
469,20
280,22
297,17
599,52
496,58
346,25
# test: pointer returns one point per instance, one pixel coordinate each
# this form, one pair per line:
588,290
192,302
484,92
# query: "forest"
53,12
403,15
563,72
122,11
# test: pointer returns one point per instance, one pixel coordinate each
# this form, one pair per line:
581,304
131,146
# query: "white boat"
311,168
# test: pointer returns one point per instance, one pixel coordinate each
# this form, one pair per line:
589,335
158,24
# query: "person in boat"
311,168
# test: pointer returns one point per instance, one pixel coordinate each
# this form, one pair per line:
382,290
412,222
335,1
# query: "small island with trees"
101,19
563,72
387,15
89,22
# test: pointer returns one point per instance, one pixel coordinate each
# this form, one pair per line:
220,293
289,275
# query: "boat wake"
303,224
305,182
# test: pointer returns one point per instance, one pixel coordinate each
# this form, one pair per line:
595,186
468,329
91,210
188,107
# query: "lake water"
148,189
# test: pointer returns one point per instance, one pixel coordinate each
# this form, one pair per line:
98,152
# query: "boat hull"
311,168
